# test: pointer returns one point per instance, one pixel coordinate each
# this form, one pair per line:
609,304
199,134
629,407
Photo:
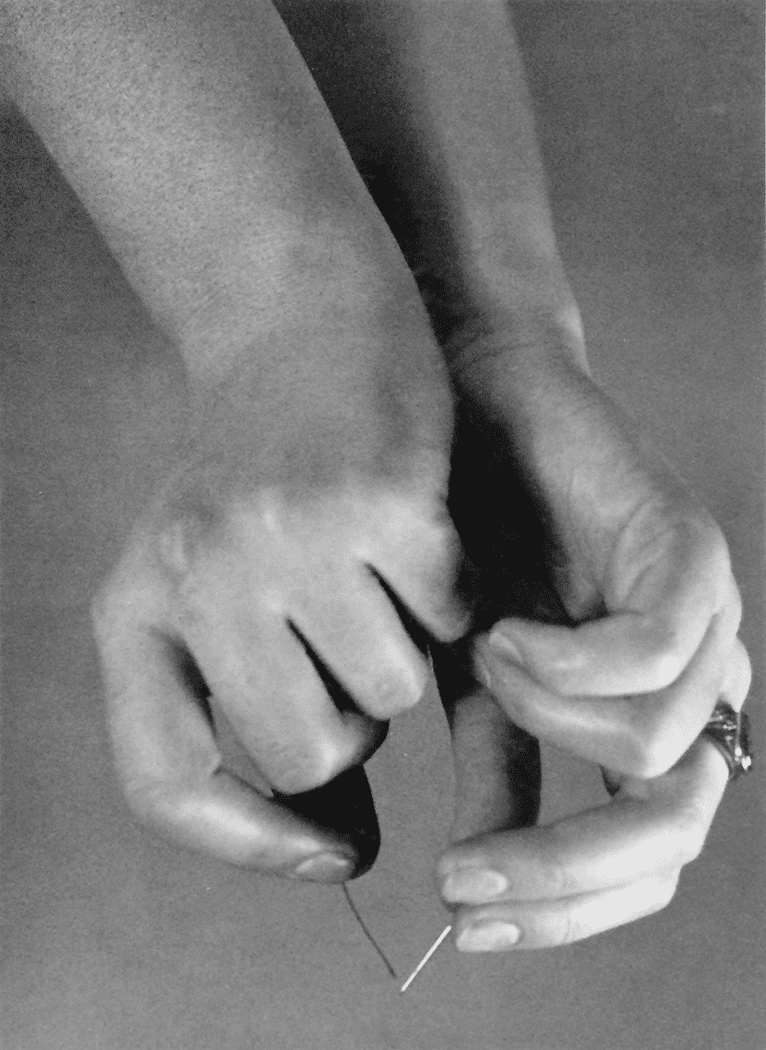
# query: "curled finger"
171,770
641,735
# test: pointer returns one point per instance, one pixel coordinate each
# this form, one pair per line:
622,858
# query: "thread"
366,932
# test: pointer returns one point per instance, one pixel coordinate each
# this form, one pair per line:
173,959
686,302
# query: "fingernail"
324,867
473,886
491,936
504,644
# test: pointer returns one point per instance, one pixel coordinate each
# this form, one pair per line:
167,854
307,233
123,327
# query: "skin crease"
381,377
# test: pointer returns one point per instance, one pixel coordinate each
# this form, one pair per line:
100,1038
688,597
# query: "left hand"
643,580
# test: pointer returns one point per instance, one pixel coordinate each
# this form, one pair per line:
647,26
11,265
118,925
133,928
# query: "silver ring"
729,730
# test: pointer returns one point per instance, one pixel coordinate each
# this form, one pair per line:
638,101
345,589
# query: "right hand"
287,569
616,648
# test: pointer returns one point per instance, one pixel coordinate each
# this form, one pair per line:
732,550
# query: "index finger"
639,648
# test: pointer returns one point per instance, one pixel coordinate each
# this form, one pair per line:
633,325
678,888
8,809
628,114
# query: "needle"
425,959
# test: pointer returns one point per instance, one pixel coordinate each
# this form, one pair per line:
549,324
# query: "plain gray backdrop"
649,117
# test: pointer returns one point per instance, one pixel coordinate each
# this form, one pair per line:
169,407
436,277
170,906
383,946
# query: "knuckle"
735,608
714,550
664,893
570,930
665,659
639,758
741,676
149,802
558,877
645,762
654,742
177,542
689,837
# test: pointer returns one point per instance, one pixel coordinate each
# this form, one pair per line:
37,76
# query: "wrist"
531,380
519,350
285,304
352,384
502,295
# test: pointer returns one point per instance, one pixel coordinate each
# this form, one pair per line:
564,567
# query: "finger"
641,735
357,633
171,771
497,764
548,924
273,695
345,808
649,827
420,557
733,690
641,648
736,686
738,677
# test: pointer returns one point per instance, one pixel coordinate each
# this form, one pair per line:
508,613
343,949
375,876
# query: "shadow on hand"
503,527
345,806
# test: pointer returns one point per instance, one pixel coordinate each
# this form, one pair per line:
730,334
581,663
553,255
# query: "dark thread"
367,933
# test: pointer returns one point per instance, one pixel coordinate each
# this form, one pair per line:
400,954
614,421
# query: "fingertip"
326,867
343,811
454,613
226,818
502,642
623,652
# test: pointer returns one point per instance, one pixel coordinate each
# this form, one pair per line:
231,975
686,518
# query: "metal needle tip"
425,959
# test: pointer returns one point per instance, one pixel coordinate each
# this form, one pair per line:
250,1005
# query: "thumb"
497,764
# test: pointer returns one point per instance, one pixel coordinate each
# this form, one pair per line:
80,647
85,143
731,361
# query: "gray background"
650,121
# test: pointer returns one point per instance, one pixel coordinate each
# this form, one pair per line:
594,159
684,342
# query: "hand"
643,583
270,580
283,578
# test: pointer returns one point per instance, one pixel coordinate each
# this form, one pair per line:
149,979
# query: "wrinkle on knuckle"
570,930
556,872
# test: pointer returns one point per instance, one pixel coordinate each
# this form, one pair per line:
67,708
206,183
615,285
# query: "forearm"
199,144
446,118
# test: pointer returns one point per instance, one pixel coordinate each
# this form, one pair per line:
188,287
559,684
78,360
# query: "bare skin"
311,509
